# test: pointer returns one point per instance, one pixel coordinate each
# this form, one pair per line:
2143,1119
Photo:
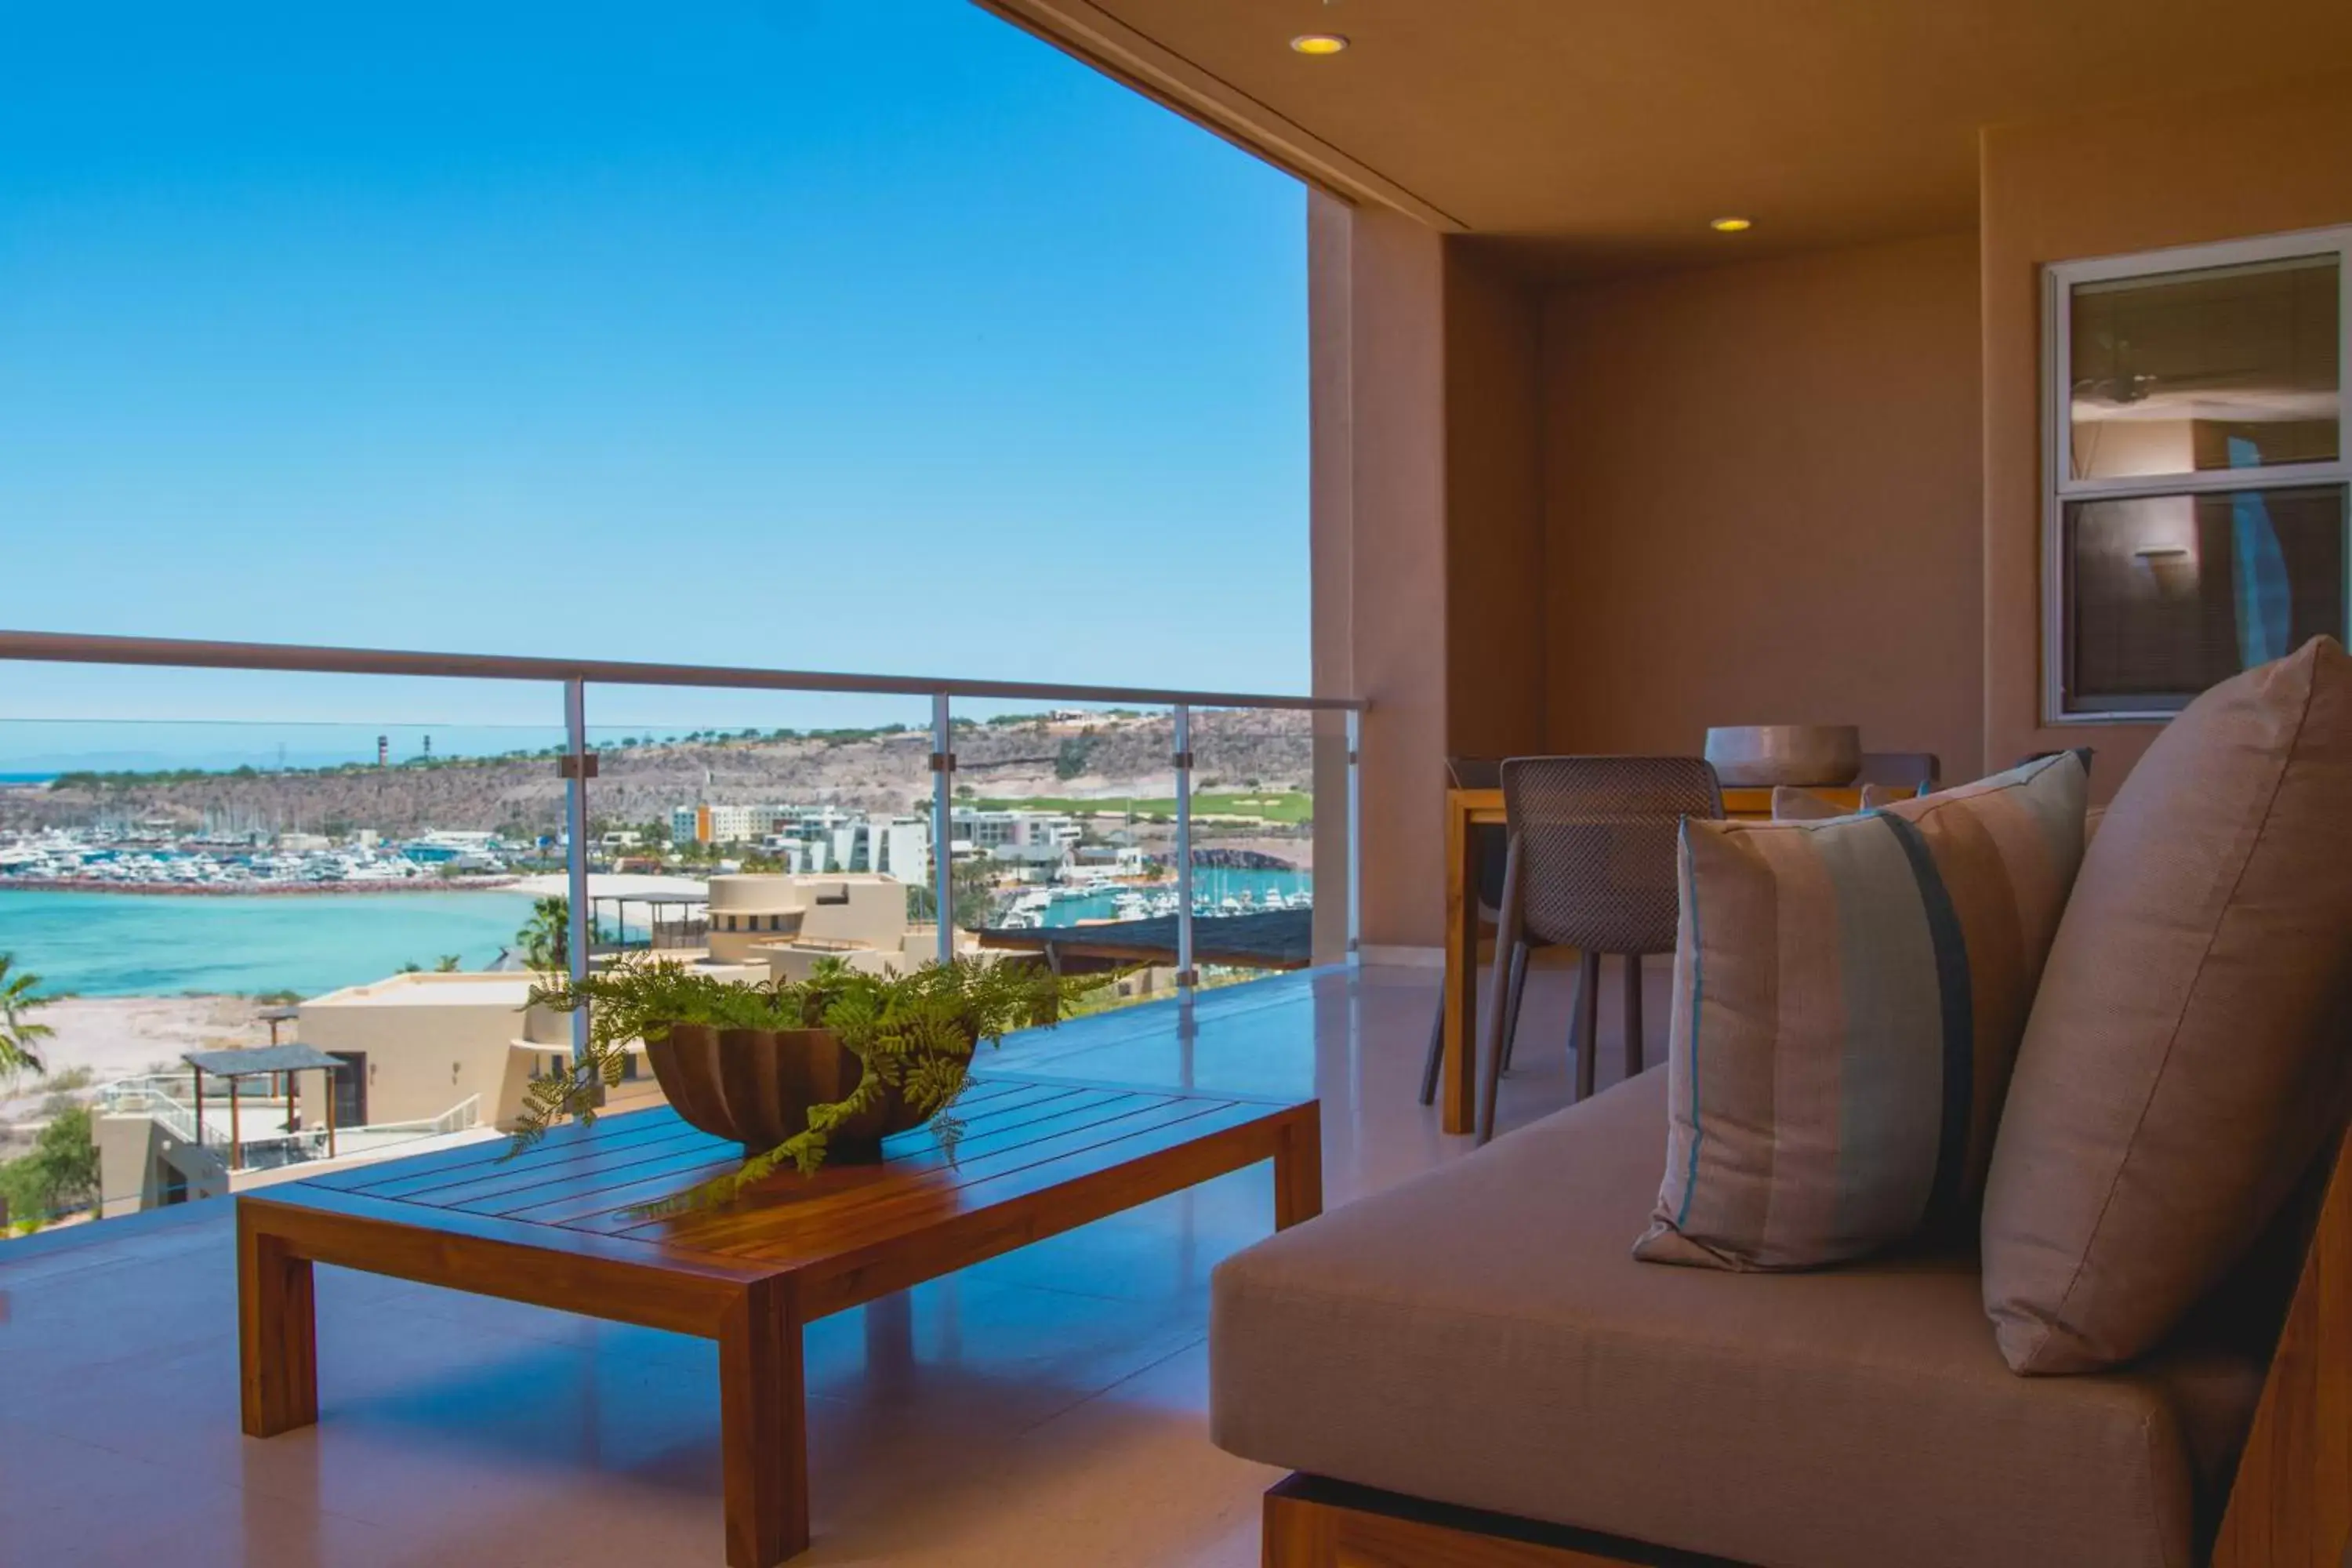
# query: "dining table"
1466,810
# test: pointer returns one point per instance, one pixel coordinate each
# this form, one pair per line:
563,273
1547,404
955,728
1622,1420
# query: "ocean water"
160,944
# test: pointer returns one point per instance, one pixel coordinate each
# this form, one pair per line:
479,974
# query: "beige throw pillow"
1848,996
2188,1049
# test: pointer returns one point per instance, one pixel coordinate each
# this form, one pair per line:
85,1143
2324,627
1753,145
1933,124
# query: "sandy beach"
121,1036
607,885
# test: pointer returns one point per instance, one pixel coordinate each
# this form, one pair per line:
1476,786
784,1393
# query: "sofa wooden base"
1316,1524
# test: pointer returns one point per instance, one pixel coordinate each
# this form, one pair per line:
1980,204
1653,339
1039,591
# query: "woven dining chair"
1480,772
1592,865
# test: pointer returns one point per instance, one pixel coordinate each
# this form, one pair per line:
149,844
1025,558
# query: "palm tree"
18,1032
546,937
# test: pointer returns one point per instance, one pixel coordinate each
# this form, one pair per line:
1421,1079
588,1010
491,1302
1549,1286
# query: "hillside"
523,796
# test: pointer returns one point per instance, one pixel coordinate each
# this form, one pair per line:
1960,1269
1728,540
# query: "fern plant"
915,1034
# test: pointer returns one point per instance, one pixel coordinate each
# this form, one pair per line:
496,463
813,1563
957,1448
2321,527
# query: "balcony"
1969,375
1049,1406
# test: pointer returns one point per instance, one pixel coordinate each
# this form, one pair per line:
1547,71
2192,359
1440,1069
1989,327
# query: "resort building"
709,823
425,1058
791,923
831,840
1029,841
430,1056
418,1046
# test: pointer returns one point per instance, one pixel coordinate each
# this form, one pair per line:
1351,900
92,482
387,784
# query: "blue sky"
819,333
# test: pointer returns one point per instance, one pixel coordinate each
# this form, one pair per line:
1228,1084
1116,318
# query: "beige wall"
1378,401
1330,547
1427,531
1494,557
1761,488
424,1057
1604,516
2183,172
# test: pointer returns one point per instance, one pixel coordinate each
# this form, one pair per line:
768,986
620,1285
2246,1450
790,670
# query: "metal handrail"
151,1095
68,648
575,675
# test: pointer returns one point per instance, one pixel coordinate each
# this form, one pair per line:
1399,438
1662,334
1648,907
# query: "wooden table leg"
1458,1087
762,1419
1298,1169
278,1344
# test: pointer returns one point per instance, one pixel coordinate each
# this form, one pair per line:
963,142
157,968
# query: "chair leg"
1507,948
1633,1014
1518,989
1585,1036
1436,1050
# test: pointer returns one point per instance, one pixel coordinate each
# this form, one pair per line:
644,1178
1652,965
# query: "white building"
1033,840
830,840
709,823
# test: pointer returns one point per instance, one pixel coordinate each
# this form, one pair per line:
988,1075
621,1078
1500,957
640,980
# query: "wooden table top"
581,1189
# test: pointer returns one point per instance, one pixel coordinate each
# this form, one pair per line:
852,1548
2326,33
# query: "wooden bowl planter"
729,1069
757,1086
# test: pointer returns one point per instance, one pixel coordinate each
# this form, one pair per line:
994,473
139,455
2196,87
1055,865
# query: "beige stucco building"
422,1046
791,923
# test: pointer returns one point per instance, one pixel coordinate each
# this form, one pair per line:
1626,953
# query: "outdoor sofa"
1474,1369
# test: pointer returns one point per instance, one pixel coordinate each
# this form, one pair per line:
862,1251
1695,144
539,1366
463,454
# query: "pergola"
674,920
260,1061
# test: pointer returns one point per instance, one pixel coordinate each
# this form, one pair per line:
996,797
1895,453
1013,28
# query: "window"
2195,449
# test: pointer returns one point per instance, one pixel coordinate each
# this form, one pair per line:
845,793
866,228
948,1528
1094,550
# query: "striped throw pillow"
1848,996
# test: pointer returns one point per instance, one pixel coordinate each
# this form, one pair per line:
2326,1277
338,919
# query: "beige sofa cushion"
2189,1049
1480,1336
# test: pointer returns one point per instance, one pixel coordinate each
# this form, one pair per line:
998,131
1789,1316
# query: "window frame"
2058,281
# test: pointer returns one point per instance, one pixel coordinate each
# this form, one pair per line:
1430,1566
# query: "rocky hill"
523,795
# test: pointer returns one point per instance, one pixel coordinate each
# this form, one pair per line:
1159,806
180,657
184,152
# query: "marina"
1216,891
114,857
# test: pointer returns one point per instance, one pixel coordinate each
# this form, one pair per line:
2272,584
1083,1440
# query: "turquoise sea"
160,944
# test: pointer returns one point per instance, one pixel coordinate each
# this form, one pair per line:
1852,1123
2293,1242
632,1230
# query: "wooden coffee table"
554,1227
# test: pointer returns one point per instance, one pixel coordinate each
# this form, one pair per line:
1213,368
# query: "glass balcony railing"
175,888
286,847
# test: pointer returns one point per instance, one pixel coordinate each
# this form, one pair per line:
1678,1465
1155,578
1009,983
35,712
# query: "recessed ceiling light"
1319,43
1731,225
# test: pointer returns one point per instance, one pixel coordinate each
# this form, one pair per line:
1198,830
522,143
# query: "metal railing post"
578,764
1355,833
942,823
1186,977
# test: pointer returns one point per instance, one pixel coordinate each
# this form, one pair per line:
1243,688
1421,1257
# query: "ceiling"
1595,137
